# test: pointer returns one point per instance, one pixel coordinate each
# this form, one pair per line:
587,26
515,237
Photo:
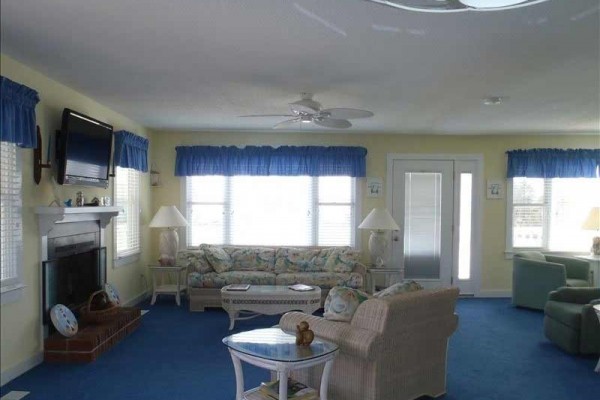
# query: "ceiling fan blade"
285,124
265,115
333,123
347,113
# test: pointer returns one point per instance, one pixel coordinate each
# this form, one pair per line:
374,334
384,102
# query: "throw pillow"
218,258
342,260
194,260
400,287
342,302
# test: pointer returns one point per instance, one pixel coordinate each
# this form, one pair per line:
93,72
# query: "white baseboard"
137,299
22,367
495,293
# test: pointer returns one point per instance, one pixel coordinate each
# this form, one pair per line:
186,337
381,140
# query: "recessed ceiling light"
494,100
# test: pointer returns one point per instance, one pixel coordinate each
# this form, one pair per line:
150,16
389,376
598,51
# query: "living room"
454,89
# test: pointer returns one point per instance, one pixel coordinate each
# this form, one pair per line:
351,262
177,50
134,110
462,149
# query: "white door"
422,205
435,203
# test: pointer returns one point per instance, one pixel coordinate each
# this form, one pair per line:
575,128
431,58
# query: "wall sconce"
154,177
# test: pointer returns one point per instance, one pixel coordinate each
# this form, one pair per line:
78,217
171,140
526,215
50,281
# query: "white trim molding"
11,294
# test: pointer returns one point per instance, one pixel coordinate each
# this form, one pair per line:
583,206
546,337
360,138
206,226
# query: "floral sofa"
212,267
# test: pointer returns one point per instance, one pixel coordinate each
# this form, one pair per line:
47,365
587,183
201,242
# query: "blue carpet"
498,352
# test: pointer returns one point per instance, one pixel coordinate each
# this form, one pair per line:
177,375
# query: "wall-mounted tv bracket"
37,158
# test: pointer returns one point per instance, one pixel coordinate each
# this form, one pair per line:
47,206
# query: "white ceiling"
197,65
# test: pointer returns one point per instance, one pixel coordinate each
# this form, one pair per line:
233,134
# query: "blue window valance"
553,163
17,113
131,151
266,160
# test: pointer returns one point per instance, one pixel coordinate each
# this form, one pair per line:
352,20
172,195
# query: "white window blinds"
127,223
548,213
11,231
271,210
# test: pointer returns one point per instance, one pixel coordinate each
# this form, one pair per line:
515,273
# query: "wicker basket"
98,316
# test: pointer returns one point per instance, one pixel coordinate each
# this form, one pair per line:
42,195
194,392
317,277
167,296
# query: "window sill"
11,294
126,260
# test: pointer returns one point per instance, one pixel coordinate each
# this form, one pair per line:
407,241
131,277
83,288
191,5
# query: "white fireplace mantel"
48,216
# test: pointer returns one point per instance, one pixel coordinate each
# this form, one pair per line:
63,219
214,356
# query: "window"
271,210
548,214
11,232
127,223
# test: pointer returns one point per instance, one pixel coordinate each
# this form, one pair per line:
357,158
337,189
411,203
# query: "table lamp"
170,218
592,223
379,220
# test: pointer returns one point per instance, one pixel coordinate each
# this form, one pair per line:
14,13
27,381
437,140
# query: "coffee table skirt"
268,300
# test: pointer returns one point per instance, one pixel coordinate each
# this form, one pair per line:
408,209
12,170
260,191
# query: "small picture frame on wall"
495,189
374,187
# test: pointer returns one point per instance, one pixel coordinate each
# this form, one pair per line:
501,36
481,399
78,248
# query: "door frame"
478,187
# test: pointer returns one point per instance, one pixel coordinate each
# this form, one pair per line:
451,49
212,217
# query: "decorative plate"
63,320
113,295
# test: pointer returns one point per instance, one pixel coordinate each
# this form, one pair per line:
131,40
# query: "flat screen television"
83,149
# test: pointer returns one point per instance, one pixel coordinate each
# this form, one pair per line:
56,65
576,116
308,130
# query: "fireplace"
73,256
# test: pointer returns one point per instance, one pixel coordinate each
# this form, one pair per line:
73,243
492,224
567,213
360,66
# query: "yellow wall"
20,321
496,270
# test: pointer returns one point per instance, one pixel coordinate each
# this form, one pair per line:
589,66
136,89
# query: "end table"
168,288
386,272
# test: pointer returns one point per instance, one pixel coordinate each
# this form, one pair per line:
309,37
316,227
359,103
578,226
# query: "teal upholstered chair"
536,274
570,320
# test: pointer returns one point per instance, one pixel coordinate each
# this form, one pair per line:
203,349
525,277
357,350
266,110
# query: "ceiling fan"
308,111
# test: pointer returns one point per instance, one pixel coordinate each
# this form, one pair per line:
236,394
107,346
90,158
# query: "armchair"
570,320
393,349
536,274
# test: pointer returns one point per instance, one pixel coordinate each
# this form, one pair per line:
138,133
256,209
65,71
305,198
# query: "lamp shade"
168,217
379,219
592,222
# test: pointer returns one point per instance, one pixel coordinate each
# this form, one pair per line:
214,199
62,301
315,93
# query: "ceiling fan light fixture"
448,6
492,3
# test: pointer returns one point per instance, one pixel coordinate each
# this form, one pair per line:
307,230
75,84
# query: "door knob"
396,238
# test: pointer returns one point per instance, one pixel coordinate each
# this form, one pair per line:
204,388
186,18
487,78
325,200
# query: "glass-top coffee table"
276,350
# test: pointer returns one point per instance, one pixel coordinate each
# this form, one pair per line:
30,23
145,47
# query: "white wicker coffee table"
267,300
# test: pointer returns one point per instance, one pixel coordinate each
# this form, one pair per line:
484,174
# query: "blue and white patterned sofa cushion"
341,303
251,258
218,258
342,259
194,260
289,260
216,280
325,280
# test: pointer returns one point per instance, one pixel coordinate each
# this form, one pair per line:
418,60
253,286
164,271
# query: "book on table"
299,287
238,287
296,390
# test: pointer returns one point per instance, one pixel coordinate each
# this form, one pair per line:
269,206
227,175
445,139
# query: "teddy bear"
304,336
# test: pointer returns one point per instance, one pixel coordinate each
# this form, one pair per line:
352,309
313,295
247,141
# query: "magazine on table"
296,390
238,287
301,287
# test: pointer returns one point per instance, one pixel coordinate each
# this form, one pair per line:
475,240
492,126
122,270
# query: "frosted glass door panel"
422,225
